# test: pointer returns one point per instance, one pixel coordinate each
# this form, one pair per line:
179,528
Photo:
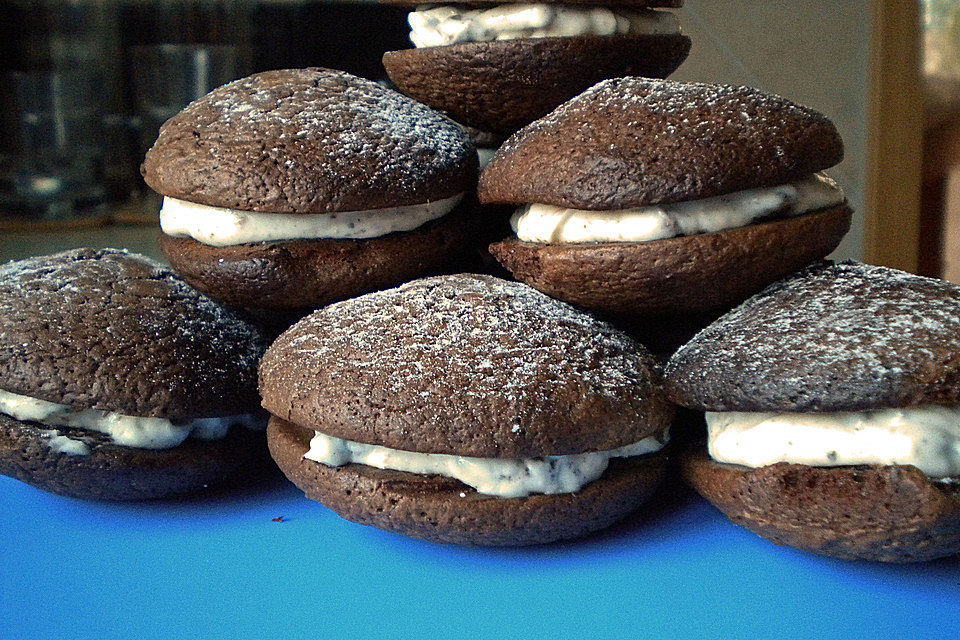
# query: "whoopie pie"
288,190
466,409
833,413
656,198
499,68
120,382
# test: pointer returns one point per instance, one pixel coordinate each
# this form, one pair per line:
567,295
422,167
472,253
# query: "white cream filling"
221,227
62,444
549,224
505,478
433,26
129,431
926,437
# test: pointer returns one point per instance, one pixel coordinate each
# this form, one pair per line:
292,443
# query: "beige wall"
815,52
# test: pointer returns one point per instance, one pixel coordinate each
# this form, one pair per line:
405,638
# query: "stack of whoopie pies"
833,413
500,67
288,190
120,382
466,409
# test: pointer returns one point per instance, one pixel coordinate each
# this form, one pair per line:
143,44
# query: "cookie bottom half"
444,510
872,512
502,85
297,276
689,274
112,472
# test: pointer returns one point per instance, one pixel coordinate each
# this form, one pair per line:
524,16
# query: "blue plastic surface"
220,567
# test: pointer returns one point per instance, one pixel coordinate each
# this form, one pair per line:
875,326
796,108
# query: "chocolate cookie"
299,276
674,275
614,3
489,379
85,464
269,175
858,337
118,381
649,197
503,85
444,510
880,513
832,413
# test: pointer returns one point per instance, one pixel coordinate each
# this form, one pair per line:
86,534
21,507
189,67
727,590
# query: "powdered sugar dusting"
518,330
686,109
117,331
838,337
636,141
465,349
339,131
335,108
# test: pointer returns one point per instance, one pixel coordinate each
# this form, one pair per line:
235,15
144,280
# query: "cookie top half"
651,4
466,365
835,337
632,142
309,141
114,331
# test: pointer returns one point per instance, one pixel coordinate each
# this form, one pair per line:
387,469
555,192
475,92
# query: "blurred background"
85,85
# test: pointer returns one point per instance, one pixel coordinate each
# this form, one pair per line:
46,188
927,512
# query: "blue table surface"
219,566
